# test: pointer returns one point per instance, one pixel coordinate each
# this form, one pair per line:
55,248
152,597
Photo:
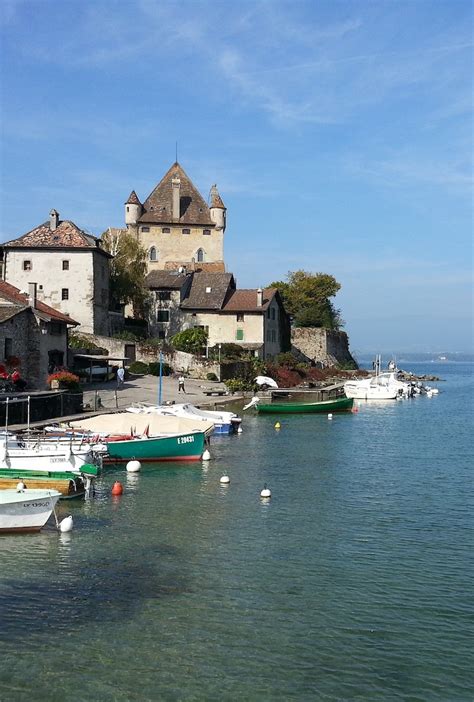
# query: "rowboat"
70,485
340,404
179,447
27,510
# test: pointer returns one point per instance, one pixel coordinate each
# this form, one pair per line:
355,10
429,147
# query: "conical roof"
158,207
133,199
215,198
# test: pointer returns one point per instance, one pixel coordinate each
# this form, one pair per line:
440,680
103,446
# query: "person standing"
120,377
181,384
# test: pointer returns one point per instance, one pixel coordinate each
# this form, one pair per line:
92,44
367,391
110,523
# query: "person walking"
181,384
120,377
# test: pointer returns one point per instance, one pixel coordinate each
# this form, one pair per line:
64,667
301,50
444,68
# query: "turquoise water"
352,583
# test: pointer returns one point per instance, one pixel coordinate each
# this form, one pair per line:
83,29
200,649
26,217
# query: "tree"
306,297
190,340
127,270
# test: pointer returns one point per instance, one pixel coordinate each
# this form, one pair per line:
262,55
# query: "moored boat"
224,422
339,404
27,510
70,485
179,447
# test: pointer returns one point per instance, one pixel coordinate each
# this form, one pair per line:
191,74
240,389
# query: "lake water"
353,583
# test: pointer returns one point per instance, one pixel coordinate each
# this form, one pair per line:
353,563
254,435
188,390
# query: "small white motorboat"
224,422
26,510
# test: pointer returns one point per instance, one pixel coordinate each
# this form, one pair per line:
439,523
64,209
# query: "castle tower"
217,209
133,209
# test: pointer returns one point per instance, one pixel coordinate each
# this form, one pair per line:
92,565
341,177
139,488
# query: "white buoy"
239,430
20,486
66,524
225,480
133,466
277,425
266,492
329,415
206,456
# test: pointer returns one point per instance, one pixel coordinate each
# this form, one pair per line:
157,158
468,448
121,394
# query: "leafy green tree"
190,340
306,297
127,270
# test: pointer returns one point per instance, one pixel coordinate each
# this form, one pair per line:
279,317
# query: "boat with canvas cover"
23,453
340,404
26,510
149,437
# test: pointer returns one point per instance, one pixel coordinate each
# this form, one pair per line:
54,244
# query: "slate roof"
66,235
220,286
158,207
170,280
246,300
20,301
9,311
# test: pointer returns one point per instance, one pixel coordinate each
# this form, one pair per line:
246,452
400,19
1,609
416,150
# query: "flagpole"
160,383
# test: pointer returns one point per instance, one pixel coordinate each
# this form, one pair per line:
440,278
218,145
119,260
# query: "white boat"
17,453
26,510
224,422
111,426
384,385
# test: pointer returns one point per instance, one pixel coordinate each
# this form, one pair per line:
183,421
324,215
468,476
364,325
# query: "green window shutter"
239,335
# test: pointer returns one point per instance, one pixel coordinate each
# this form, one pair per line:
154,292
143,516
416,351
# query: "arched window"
200,255
153,256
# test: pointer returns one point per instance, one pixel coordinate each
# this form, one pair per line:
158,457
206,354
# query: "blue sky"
339,134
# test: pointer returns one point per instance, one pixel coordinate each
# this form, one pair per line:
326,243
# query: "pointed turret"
217,208
133,209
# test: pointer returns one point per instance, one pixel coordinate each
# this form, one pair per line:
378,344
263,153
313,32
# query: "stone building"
176,226
254,319
70,268
33,335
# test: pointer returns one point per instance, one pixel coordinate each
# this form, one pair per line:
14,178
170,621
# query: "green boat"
171,447
68,483
341,404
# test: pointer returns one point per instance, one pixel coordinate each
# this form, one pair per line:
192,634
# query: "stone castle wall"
323,346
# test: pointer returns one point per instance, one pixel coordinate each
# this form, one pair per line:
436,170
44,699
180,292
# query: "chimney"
176,186
259,297
32,294
53,220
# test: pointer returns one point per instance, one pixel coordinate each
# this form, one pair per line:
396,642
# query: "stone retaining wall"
323,346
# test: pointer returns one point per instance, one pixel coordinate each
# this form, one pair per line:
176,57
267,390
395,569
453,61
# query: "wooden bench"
214,391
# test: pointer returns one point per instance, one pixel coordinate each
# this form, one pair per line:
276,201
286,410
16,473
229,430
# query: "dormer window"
208,289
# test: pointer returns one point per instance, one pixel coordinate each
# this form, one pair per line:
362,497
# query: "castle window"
206,231
186,231
65,265
27,265
65,294
200,255
145,229
152,254
163,316
165,230
128,208
240,316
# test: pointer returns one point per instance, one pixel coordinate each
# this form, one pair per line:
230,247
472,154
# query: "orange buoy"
117,488
354,409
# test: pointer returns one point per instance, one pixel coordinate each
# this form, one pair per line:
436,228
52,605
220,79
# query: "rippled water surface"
352,583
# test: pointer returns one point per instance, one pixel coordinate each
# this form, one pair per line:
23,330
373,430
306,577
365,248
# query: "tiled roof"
210,266
9,311
133,199
209,291
12,294
216,200
66,235
158,207
246,300
172,280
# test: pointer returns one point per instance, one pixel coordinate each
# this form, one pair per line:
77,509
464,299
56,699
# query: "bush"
79,341
238,384
228,352
212,376
125,336
66,380
138,368
154,368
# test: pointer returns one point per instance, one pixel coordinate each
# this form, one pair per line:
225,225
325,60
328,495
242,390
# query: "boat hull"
26,511
338,405
68,484
181,447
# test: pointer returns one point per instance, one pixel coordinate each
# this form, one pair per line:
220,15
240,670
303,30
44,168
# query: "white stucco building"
68,265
